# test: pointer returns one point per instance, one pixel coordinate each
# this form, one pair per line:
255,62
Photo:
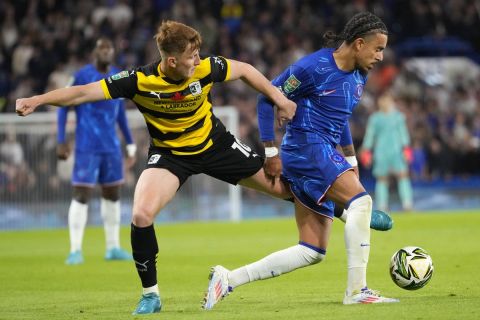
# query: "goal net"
35,189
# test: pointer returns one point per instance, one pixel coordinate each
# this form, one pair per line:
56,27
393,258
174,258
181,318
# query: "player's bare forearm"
256,80
61,97
268,144
348,150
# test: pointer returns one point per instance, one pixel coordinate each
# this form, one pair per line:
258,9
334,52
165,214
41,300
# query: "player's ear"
358,43
172,61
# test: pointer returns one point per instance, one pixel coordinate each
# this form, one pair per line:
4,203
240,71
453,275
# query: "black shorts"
228,159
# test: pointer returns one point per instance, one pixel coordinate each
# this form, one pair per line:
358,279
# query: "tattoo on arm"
348,151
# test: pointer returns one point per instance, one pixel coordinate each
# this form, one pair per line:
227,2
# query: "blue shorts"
101,168
311,169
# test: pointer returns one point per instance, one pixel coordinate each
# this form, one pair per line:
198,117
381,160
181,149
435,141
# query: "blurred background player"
387,135
98,157
326,85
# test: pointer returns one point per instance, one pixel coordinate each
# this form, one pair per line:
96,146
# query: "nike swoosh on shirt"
327,92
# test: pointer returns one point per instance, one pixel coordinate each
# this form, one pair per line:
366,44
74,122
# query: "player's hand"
272,168
25,106
63,151
130,162
366,158
408,154
286,111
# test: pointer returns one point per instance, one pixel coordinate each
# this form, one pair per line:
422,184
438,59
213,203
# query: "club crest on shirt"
120,75
358,91
195,88
291,84
337,158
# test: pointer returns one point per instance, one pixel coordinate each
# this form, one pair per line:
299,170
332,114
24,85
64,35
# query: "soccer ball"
411,268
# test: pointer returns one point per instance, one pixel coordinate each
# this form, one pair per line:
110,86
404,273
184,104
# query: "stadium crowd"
44,41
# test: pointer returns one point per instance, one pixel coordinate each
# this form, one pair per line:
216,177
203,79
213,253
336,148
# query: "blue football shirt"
325,97
96,121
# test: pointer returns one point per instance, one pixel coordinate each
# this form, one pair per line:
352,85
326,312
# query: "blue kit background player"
326,85
98,157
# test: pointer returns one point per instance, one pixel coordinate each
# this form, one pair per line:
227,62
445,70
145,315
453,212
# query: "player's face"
104,51
370,51
187,62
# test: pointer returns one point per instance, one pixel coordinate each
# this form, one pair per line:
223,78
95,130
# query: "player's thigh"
111,169
399,165
259,181
313,228
232,161
86,169
155,188
381,168
345,187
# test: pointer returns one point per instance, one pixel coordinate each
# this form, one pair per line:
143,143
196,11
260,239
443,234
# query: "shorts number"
243,148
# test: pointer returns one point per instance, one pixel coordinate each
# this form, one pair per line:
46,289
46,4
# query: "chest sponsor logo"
154,158
120,75
177,96
291,84
195,88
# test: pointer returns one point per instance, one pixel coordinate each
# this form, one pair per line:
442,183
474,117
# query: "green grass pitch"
35,283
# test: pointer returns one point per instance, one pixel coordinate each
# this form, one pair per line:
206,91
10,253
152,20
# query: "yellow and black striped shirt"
178,113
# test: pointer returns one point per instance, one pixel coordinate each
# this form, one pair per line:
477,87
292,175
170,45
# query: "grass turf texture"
36,284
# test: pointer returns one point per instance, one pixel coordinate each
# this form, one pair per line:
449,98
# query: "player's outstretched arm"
71,96
253,77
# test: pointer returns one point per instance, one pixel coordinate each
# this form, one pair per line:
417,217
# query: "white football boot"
367,296
217,287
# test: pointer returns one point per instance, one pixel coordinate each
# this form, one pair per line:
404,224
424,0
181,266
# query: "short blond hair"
173,37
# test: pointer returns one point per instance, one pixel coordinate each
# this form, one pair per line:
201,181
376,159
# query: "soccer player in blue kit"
326,85
98,157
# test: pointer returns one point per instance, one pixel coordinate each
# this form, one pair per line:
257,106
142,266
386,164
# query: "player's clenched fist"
25,106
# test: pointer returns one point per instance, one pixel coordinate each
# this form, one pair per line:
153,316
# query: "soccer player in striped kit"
173,95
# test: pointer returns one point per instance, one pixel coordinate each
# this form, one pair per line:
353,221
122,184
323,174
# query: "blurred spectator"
42,41
15,175
11,151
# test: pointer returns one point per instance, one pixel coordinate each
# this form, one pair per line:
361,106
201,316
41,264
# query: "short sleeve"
220,69
120,85
294,82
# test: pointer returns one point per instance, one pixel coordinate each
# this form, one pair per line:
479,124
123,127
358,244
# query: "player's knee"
316,258
81,198
142,215
361,205
312,255
111,193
